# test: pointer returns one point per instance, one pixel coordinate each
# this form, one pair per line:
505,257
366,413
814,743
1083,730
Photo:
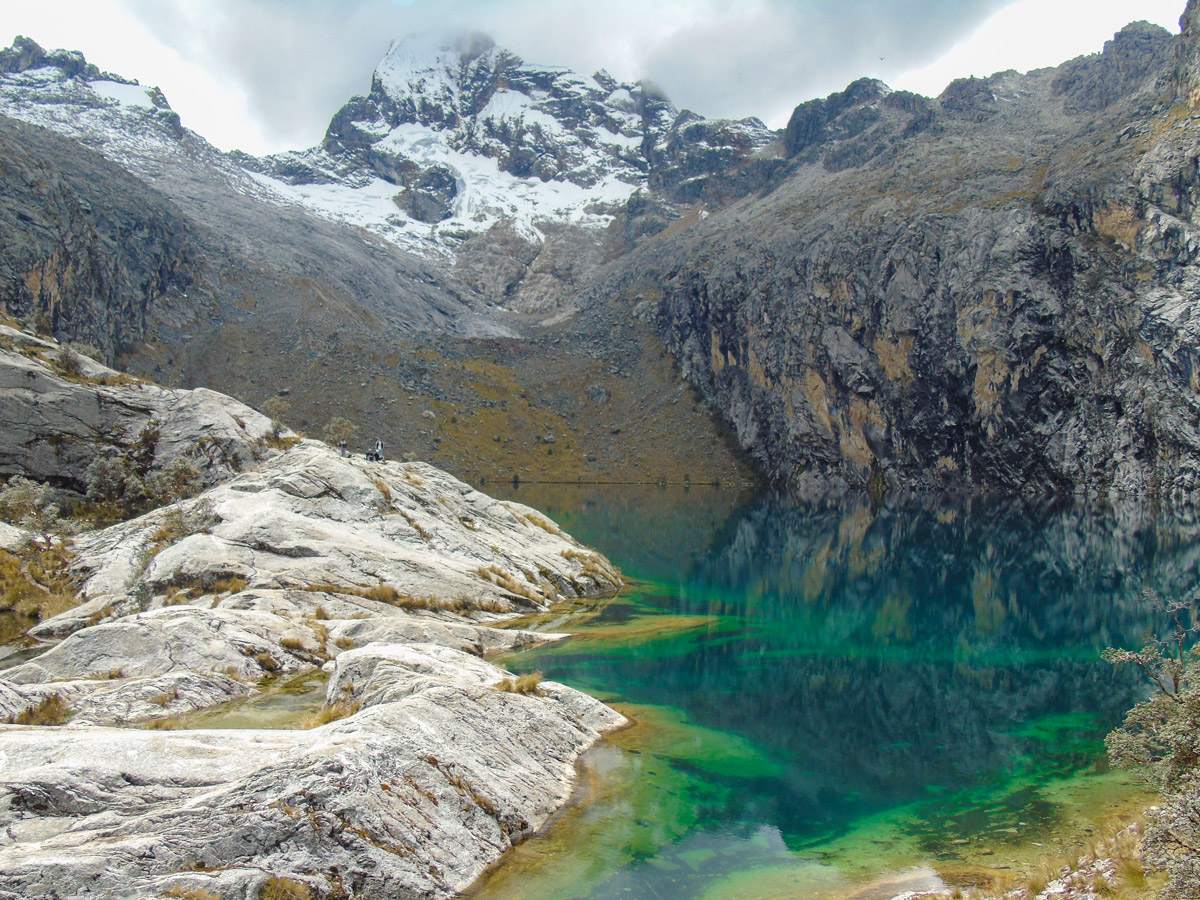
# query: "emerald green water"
840,702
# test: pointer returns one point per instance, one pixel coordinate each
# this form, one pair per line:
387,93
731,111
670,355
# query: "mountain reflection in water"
824,665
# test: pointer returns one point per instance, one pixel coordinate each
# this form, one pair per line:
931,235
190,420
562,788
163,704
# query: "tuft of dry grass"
110,675
416,526
330,712
169,723
292,643
528,684
267,662
386,593
280,887
595,566
53,710
196,893
382,487
231,584
345,643
503,579
34,582
165,698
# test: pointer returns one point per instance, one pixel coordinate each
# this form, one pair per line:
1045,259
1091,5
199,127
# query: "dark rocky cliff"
994,289
87,248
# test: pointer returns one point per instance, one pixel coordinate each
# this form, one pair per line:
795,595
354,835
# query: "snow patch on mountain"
125,94
128,123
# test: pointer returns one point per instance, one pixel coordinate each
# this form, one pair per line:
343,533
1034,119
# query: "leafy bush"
31,505
1160,739
274,408
123,485
339,429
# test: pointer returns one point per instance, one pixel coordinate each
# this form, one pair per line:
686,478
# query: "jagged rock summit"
992,290
463,134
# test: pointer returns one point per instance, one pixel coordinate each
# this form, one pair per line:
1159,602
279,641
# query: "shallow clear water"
840,702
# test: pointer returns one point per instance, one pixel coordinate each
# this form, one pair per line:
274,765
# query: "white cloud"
266,75
1033,34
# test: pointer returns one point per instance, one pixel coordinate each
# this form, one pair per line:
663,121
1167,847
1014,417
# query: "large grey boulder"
56,423
120,700
314,520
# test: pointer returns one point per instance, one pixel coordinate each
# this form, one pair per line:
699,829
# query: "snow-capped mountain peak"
454,137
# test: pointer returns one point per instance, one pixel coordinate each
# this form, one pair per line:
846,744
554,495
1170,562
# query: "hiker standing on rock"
378,450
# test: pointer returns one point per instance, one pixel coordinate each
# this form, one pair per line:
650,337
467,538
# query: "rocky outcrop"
385,578
89,249
415,795
25,54
61,411
314,520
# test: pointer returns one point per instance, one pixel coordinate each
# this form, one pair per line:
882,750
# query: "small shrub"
53,710
339,429
275,408
31,505
529,684
67,363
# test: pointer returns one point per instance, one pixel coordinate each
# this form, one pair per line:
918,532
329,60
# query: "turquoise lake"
840,701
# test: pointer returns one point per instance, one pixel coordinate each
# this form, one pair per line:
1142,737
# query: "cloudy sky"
267,75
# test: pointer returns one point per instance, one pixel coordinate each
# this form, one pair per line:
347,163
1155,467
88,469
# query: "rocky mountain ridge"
340,312
985,290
